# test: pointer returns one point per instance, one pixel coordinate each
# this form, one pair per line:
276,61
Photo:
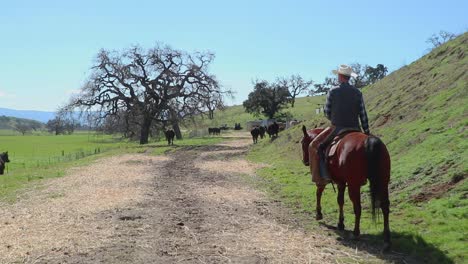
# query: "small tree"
296,85
375,74
438,39
23,128
324,87
56,126
267,99
361,79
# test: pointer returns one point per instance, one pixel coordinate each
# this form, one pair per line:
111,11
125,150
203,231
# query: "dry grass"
238,166
63,217
254,226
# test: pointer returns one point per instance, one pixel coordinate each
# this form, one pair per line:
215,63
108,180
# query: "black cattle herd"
256,132
259,131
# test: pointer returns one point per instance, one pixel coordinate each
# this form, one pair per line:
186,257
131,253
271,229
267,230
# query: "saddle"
331,148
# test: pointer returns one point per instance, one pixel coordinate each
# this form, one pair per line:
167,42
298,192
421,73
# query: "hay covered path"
192,206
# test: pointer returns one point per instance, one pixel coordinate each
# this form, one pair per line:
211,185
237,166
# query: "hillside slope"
420,111
8,122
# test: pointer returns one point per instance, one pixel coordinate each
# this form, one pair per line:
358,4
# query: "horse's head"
305,142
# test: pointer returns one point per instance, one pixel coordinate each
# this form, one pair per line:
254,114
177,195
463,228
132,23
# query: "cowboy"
344,108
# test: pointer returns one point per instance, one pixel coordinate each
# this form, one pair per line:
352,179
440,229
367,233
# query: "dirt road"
192,206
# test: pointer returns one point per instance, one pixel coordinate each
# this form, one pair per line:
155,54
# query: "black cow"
214,130
3,159
262,131
273,130
255,132
170,134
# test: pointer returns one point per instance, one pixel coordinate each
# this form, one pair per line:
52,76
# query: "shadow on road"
410,244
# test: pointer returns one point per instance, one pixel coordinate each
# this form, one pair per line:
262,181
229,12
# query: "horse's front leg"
340,200
355,196
318,215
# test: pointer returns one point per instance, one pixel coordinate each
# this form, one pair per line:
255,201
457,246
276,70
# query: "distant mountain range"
41,116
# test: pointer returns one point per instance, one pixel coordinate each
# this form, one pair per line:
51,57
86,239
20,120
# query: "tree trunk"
292,102
176,128
145,129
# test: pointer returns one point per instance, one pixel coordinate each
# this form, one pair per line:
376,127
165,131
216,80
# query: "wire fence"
46,160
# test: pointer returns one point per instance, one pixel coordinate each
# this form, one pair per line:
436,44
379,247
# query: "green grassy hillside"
420,112
9,123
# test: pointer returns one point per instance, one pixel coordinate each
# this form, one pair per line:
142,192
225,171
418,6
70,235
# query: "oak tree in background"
267,99
321,88
373,75
365,75
296,85
63,123
23,128
213,103
438,39
361,79
159,84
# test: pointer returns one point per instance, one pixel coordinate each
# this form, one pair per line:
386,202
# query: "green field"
37,150
41,156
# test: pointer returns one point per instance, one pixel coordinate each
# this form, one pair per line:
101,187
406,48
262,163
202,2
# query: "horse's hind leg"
340,200
318,208
385,206
355,196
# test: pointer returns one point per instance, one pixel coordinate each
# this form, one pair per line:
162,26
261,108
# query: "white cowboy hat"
345,70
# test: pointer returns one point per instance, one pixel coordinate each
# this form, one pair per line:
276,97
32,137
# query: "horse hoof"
341,226
318,217
356,237
386,248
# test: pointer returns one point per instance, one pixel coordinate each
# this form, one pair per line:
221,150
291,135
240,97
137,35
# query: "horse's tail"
373,148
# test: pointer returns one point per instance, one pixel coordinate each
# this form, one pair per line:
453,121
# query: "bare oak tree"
158,84
438,39
23,128
296,85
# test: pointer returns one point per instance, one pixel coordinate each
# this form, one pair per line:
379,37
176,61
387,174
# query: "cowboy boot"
325,176
314,167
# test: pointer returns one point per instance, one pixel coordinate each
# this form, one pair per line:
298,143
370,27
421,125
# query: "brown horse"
357,157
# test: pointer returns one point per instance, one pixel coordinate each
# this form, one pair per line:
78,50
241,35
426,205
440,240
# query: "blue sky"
47,47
